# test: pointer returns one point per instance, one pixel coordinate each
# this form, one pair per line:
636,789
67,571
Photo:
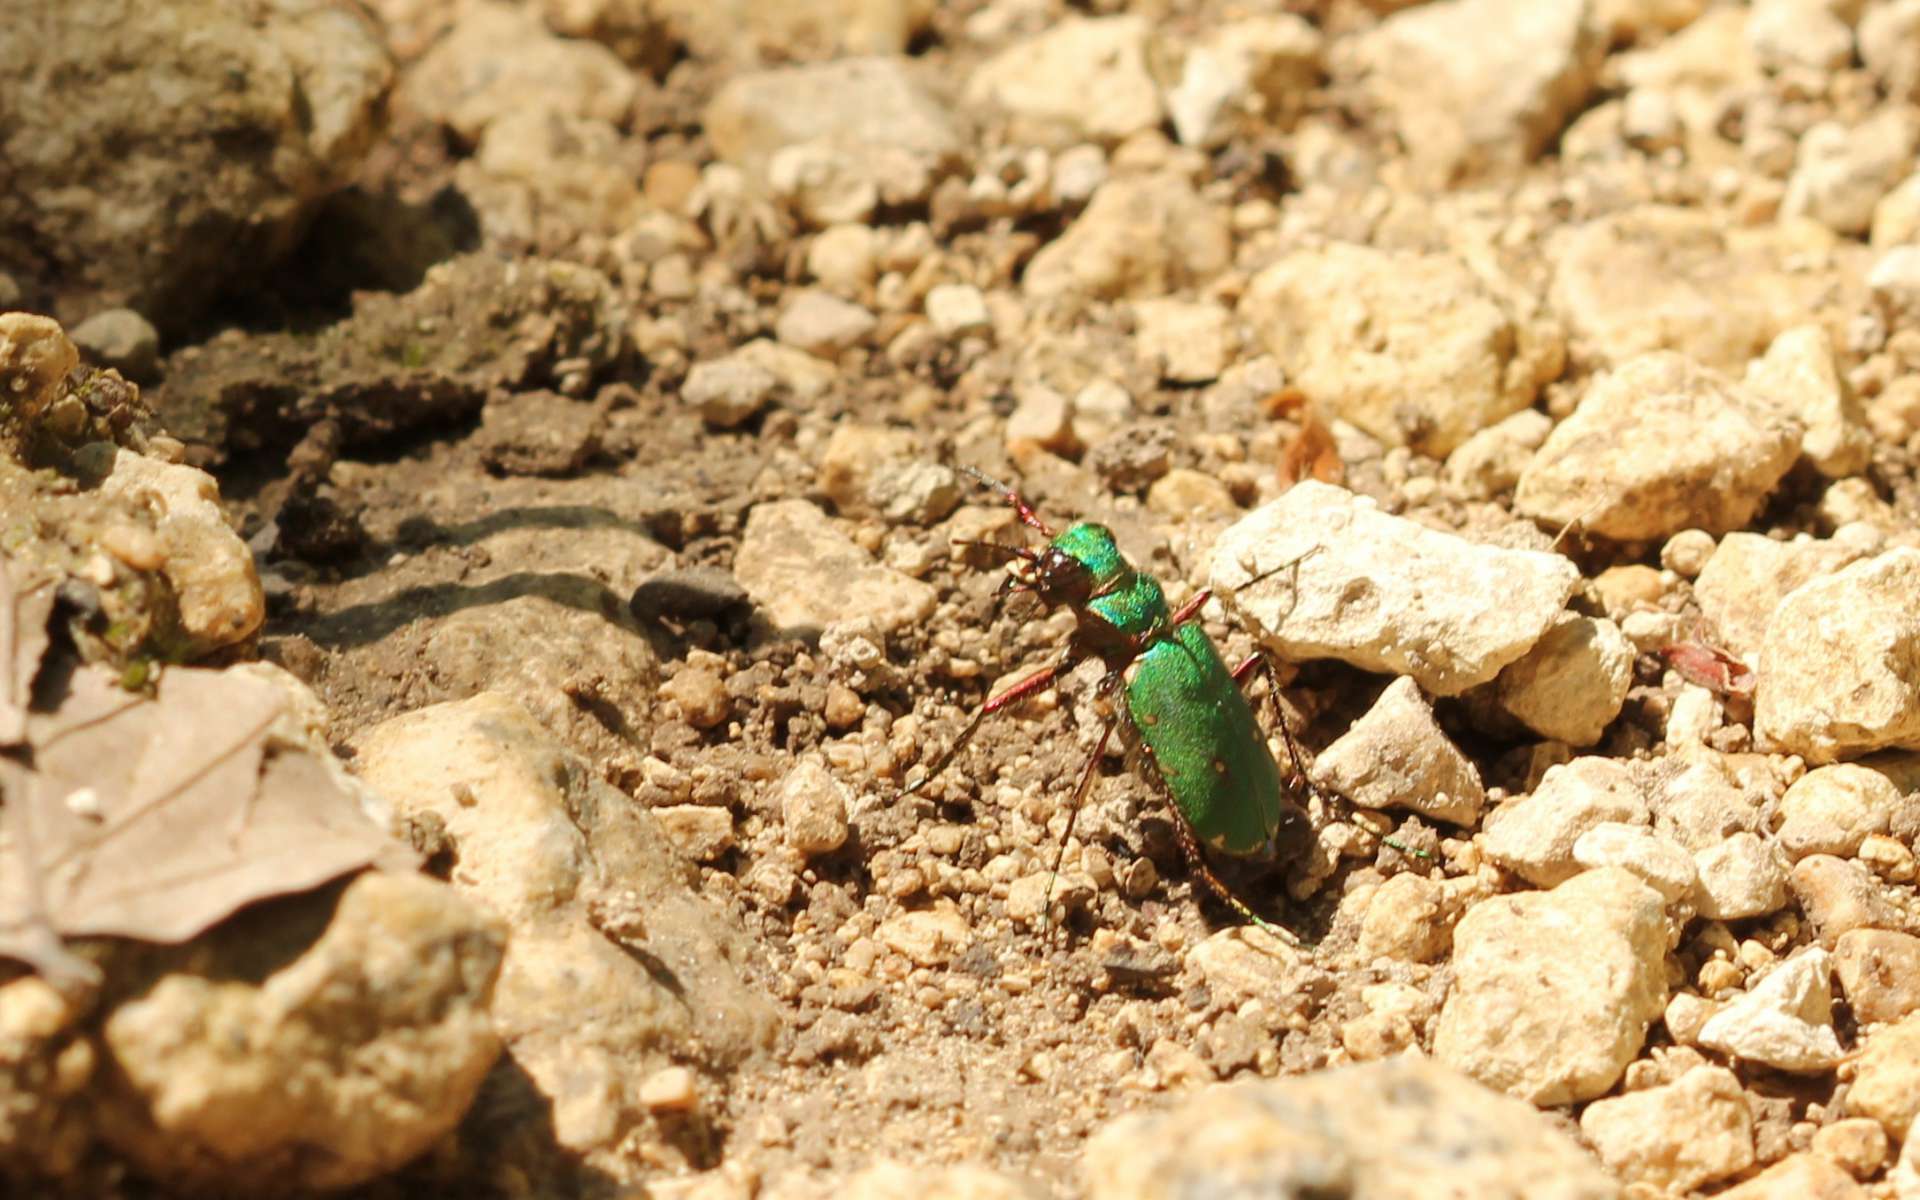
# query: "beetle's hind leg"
1073,812
1197,861
1265,663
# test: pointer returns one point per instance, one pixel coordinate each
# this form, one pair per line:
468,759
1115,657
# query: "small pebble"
844,708
1042,418
728,391
119,338
703,833
687,594
669,1090
1856,1144
813,807
701,695
1686,553
957,309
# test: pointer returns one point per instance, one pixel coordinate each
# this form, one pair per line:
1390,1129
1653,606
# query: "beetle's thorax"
1116,606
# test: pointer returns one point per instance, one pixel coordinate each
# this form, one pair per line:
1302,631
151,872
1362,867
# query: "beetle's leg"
1185,612
1240,674
1036,682
1197,859
1073,810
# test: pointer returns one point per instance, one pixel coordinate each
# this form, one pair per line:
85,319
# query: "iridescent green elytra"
1186,723
1200,734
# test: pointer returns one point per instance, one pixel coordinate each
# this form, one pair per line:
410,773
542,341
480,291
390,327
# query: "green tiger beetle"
1183,719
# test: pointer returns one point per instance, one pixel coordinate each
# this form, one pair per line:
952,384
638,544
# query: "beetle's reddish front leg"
1039,681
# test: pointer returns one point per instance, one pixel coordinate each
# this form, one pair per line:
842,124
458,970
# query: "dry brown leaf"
1710,667
25,606
155,818
1311,452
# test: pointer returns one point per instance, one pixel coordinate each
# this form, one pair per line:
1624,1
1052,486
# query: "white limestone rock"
1839,672
1658,445
1383,593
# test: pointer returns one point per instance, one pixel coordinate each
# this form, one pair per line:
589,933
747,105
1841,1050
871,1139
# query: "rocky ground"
483,548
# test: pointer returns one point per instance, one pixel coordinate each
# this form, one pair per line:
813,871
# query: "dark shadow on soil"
364,623
425,531
510,1123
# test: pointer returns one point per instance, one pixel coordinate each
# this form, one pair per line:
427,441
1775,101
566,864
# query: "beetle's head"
1073,568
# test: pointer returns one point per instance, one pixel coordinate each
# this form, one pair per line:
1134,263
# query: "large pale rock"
1799,376
616,968
1886,1081
1658,445
1808,34
1659,278
159,153
889,1180
544,177
1386,594
1832,809
746,31
1260,68
499,60
1189,341
1084,78
1401,1127
1800,1177
1698,803
1742,876
804,574
1747,577
1896,219
1573,682
1468,105
1653,857
1676,1136
1894,284
339,1067
1890,46
1397,756
1535,835
1554,990
1786,1021
868,123
1413,348
1839,671
1879,971
1140,236
1841,174
1838,895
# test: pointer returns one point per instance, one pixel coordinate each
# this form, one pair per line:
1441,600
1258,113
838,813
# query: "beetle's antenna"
1027,515
1011,552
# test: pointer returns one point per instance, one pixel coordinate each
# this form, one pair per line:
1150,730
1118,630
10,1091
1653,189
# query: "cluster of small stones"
1654,919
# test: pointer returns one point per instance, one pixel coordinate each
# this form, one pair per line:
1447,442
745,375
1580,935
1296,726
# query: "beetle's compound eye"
1060,578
